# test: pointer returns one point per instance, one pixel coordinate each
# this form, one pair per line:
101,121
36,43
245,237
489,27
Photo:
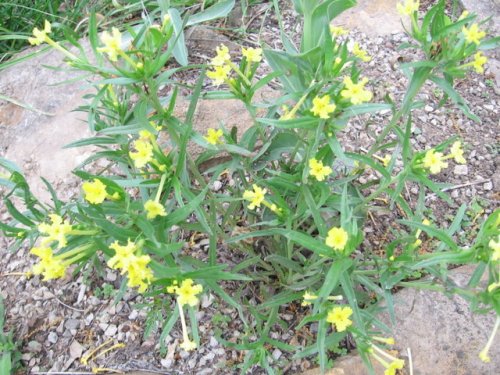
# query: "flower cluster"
222,66
112,44
50,266
135,266
408,7
154,209
435,161
95,192
143,147
56,230
186,292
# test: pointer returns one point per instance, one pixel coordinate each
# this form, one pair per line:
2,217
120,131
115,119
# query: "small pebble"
461,170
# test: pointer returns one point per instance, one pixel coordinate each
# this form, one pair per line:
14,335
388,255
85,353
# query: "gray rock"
488,186
461,170
72,324
52,337
34,347
111,330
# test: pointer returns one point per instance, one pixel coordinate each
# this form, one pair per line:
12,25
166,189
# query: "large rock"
443,335
373,17
35,141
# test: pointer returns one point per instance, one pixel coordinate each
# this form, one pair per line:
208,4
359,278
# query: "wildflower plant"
295,186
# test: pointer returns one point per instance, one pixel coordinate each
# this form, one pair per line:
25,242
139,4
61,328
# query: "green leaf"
298,123
220,9
454,96
180,50
361,109
93,141
433,232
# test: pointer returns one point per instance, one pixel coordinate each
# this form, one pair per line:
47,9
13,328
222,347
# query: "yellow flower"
483,355
408,7
309,298
49,266
495,245
360,53
95,192
457,153
186,292
397,364
124,255
322,106
385,340
479,61
337,238
463,15
337,31
434,161
339,316
154,209
56,231
256,197
252,54
472,34
143,153
139,274
219,74
188,345
386,160
136,267
355,92
318,170
112,44
493,286
213,136
222,57
40,36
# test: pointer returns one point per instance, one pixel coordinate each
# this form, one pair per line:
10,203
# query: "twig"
460,186
410,361
67,306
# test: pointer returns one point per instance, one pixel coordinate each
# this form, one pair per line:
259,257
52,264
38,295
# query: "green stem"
160,188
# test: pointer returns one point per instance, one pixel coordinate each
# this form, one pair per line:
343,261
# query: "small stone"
277,354
217,185
133,315
167,362
34,347
72,324
428,108
213,342
52,337
75,349
110,275
488,186
111,330
461,170
89,318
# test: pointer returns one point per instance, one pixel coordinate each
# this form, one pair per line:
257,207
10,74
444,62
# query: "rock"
367,13
34,347
217,185
277,354
461,170
111,330
428,108
488,186
133,315
75,349
52,337
72,324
